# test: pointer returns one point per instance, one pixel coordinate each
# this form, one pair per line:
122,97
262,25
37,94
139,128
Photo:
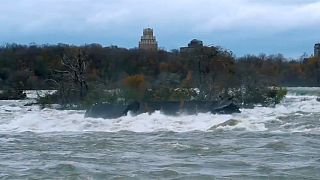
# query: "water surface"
281,142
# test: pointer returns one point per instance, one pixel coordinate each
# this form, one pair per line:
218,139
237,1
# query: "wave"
49,120
287,116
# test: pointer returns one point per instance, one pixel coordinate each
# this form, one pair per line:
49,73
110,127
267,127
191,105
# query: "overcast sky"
290,27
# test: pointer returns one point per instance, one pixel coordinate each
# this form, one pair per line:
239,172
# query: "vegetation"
87,74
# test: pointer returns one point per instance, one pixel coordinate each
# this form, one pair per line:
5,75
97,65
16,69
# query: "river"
281,142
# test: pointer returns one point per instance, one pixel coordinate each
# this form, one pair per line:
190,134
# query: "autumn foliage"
136,82
134,87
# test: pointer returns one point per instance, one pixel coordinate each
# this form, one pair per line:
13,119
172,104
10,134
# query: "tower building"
317,50
148,41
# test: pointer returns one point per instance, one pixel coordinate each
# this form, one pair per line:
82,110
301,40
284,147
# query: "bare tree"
73,77
76,66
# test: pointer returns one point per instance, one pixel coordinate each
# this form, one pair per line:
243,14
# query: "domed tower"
148,41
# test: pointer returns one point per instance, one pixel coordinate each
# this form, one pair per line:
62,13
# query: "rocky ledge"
109,111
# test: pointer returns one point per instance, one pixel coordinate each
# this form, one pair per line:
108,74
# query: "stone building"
148,41
192,46
317,50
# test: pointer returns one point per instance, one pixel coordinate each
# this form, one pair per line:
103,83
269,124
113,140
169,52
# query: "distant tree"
135,86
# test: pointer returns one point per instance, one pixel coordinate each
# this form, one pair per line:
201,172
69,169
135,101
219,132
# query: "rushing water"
268,143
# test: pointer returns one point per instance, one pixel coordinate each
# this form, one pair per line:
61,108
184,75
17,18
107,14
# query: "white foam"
51,120
57,121
31,94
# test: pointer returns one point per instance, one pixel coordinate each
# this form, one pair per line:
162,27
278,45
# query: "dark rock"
106,111
226,109
176,108
12,95
318,99
166,107
31,104
133,107
110,111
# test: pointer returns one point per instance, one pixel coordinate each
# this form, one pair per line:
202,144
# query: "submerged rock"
108,111
133,107
227,109
231,122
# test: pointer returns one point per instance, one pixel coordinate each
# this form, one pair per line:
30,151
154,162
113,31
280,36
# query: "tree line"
212,68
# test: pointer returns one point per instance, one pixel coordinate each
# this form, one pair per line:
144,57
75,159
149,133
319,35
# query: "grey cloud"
124,19
206,15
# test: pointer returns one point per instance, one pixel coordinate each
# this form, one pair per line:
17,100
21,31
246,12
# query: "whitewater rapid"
284,117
